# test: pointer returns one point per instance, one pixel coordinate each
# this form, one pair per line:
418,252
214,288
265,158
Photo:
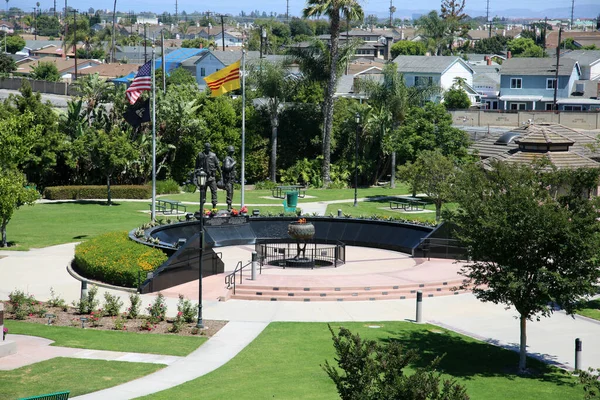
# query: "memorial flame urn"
301,231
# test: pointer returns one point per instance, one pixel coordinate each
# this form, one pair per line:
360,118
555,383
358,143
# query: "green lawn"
284,363
312,195
64,336
382,208
591,309
79,376
43,225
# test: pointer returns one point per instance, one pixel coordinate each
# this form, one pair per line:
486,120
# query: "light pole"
201,184
357,119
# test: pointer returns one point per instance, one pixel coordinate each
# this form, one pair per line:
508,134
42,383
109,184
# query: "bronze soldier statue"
208,161
229,175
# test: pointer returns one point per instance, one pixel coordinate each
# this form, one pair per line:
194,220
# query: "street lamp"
201,184
357,119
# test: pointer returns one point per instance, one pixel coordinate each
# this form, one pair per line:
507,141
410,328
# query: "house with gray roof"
442,71
589,62
528,84
486,81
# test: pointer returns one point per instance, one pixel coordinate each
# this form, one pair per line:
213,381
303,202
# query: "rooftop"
426,63
537,66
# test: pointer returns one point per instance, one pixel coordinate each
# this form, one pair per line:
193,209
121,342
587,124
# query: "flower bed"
113,258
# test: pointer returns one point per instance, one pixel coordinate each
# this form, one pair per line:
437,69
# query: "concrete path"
218,350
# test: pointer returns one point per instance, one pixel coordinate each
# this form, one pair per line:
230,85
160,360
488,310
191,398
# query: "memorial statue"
229,175
208,161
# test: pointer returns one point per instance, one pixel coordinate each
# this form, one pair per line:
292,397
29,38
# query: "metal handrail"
230,278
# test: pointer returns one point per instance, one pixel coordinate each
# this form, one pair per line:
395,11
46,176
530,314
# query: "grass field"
591,309
284,363
79,376
63,336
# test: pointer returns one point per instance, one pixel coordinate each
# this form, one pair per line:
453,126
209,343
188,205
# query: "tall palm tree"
435,29
114,33
335,10
390,95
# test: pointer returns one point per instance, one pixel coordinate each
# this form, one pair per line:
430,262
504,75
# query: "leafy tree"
47,25
335,10
456,98
524,47
7,64
96,54
371,20
435,30
14,43
197,43
530,247
493,45
13,194
411,174
437,173
369,370
93,91
428,128
408,48
45,71
181,76
590,380
300,27
452,11
569,44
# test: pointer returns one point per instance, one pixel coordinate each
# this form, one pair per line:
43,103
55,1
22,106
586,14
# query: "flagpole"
153,135
243,124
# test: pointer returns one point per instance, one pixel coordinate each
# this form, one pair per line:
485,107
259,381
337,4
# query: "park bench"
280,191
169,206
407,204
50,396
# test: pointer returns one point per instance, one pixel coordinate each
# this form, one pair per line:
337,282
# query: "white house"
439,70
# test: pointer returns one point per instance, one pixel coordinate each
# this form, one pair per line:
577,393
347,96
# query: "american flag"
141,82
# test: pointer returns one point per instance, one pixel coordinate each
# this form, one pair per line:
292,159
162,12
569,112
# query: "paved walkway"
551,339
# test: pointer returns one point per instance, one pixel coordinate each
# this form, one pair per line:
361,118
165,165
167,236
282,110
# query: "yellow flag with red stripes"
224,80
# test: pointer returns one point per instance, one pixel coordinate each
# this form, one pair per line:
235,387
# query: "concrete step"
334,297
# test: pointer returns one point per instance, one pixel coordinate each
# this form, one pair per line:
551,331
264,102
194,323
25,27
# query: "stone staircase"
351,293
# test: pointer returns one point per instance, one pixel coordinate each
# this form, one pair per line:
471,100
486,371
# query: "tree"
428,128
453,15
435,30
7,64
335,10
437,173
369,370
13,194
531,247
197,43
524,47
408,48
14,43
91,89
45,71
493,45
300,27
590,380
456,98
181,76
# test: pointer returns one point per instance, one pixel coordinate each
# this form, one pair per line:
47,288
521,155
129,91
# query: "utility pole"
35,21
145,46
555,106
544,34
287,11
176,18
572,11
75,42
54,8
66,22
222,31
488,19
114,32
392,11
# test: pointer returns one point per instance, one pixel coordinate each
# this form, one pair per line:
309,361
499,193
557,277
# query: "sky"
235,6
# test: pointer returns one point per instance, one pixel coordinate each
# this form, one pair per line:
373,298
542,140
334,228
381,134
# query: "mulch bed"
72,318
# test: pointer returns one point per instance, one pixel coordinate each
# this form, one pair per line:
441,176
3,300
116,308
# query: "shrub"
97,192
135,302
21,304
114,258
186,309
177,323
158,309
265,185
89,302
167,187
56,301
120,324
112,304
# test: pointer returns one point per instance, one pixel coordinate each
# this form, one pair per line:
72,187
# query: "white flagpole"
243,123
153,136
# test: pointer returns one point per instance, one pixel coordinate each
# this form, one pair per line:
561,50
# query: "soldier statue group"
209,162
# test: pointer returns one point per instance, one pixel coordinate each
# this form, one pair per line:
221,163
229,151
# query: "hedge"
115,259
97,192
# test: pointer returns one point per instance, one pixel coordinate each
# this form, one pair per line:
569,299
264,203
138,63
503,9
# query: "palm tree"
435,30
390,95
335,10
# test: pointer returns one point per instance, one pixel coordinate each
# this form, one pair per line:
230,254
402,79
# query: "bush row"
115,259
97,192
167,187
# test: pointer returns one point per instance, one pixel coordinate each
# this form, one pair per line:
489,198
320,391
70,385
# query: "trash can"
292,199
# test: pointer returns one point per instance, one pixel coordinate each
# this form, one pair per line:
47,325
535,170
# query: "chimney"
486,58
489,61
508,55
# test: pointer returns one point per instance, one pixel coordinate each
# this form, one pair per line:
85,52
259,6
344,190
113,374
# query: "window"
517,106
423,81
516,83
572,108
550,83
549,106
202,71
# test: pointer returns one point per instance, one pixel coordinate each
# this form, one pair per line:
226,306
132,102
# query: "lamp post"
357,119
201,184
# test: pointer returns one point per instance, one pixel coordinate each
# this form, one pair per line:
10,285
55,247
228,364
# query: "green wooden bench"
51,396
279,191
169,206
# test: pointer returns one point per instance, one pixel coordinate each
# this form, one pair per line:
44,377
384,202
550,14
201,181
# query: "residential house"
7,27
578,36
66,67
528,84
374,43
347,85
486,81
589,62
442,71
110,71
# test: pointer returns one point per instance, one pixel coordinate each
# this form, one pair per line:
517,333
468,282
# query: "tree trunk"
393,171
114,34
274,124
438,210
108,188
523,344
3,243
328,103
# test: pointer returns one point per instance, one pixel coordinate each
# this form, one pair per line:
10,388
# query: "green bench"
407,204
51,396
169,206
279,191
